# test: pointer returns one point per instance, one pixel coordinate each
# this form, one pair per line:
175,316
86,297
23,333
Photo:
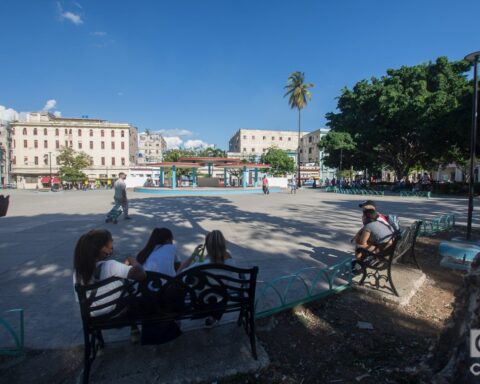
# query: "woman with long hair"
160,254
91,264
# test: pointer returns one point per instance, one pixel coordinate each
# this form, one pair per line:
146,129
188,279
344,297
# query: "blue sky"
202,69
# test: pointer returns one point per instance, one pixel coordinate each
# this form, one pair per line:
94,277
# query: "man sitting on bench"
375,236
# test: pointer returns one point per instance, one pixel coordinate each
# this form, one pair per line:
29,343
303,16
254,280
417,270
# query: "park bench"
416,194
379,266
4,202
436,225
160,299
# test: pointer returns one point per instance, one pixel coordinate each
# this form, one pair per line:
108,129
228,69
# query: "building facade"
250,142
5,153
36,142
151,147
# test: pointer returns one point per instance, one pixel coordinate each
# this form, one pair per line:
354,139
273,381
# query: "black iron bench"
160,299
379,266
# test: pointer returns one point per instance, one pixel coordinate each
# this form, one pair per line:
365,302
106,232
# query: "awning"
45,179
56,180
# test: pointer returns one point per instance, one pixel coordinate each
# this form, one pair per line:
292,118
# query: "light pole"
472,58
50,164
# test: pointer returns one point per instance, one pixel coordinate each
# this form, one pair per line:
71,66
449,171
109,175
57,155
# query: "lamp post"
472,58
50,164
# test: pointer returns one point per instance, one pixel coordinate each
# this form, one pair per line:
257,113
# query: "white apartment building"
250,142
151,147
37,141
5,152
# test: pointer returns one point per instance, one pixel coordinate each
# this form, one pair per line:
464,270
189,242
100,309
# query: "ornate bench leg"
391,281
251,320
87,361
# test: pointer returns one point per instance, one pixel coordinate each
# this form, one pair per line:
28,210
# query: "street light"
472,58
50,164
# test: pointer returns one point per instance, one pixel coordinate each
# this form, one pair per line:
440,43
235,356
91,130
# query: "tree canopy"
412,116
279,160
72,164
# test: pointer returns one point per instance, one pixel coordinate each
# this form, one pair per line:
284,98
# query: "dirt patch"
318,343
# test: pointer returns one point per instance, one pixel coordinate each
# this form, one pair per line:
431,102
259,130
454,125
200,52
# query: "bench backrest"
407,239
193,293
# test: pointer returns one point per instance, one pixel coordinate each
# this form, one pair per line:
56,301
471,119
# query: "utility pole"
50,164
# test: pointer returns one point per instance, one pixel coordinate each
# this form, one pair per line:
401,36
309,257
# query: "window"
45,143
91,144
25,144
13,131
79,132
79,145
310,139
122,133
91,132
309,150
14,144
253,137
57,144
36,160
102,145
113,133
301,139
70,131
122,144
113,160
301,150
25,160
253,149
66,143
71,144
66,131
102,133
113,145
56,132
264,137
58,161
123,161
45,159
273,137
280,138
264,149
14,161
35,143
289,139
24,131
244,137
35,131
45,131
103,160
244,149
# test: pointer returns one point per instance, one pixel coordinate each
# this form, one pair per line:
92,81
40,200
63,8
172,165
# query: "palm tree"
298,94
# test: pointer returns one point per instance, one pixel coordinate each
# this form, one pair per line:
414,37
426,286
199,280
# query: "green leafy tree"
279,160
174,155
298,96
72,164
339,149
211,152
412,116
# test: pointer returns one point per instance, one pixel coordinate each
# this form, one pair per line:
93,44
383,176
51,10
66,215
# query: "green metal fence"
306,285
416,194
436,225
16,333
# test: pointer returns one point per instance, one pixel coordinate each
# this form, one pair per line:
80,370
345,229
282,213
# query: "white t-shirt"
108,269
120,187
162,260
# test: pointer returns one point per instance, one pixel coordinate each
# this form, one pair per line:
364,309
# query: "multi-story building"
151,147
37,141
250,142
5,152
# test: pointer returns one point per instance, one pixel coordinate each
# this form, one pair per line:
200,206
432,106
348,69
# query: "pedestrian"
120,196
266,191
293,186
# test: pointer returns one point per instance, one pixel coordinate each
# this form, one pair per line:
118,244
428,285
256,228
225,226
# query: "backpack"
394,224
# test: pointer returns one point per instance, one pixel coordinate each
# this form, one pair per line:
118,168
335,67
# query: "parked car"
308,183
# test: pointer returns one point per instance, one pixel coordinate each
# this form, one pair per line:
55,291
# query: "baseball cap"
369,204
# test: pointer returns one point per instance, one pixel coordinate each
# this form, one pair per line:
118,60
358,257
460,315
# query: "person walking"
265,185
120,196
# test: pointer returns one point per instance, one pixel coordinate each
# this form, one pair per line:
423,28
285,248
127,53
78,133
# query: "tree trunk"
299,182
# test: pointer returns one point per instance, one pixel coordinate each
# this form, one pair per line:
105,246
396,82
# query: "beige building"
249,142
37,141
309,151
151,147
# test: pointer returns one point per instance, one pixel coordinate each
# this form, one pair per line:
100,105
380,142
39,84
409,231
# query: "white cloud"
175,132
173,142
57,114
50,104
98,33
192,144
78,5
70,16
8,114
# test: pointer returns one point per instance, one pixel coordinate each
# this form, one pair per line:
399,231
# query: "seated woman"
375,236
216,248
159,255
91,265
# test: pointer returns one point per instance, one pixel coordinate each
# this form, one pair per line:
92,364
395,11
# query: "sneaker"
210,322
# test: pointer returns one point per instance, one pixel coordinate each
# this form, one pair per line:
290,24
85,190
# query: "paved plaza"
281,233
